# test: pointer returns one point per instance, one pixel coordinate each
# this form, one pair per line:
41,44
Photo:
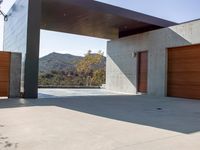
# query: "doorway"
142,71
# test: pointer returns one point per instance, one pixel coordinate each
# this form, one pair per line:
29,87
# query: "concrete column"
32,52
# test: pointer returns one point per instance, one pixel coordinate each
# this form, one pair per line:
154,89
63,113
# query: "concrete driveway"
100,123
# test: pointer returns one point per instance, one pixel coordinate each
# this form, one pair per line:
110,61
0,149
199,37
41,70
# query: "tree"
86,66
99,77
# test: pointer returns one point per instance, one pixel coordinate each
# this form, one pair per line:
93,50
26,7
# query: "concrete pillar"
32,52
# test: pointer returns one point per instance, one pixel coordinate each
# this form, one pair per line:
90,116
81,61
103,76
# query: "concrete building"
167,74
137,51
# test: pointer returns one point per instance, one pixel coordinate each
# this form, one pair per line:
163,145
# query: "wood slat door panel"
191,92
4,59
184,72
4,73
4,89
180,78
142,71
180,65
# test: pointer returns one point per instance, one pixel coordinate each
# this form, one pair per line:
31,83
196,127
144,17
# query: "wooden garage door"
142,71
184,72
4,73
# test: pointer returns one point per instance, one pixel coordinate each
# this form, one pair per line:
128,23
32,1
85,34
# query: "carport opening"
69,61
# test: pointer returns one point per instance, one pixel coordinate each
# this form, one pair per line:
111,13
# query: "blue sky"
174,10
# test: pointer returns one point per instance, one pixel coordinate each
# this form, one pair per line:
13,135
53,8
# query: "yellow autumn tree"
87,67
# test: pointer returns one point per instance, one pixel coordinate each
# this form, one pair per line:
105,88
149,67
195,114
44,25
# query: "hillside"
58,62
62,62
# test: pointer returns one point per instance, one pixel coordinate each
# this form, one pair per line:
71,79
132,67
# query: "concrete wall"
22,34
15,75
121,70
15,32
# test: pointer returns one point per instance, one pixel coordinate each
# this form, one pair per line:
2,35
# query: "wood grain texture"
184,72
142,71
93,18
4,73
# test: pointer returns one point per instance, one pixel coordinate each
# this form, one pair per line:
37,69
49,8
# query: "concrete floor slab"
66,92
100,123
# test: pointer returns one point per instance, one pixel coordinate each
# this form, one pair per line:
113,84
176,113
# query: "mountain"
58,62
62,62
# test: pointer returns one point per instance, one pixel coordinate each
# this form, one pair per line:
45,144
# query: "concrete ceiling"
92,18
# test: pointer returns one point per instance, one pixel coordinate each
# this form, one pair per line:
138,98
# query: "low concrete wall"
15,75
121,73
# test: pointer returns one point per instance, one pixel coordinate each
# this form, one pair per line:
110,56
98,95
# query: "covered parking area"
108,122
88,17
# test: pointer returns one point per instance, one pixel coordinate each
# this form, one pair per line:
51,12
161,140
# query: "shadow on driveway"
173,114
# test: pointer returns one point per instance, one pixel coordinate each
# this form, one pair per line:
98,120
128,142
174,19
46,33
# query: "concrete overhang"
96,19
